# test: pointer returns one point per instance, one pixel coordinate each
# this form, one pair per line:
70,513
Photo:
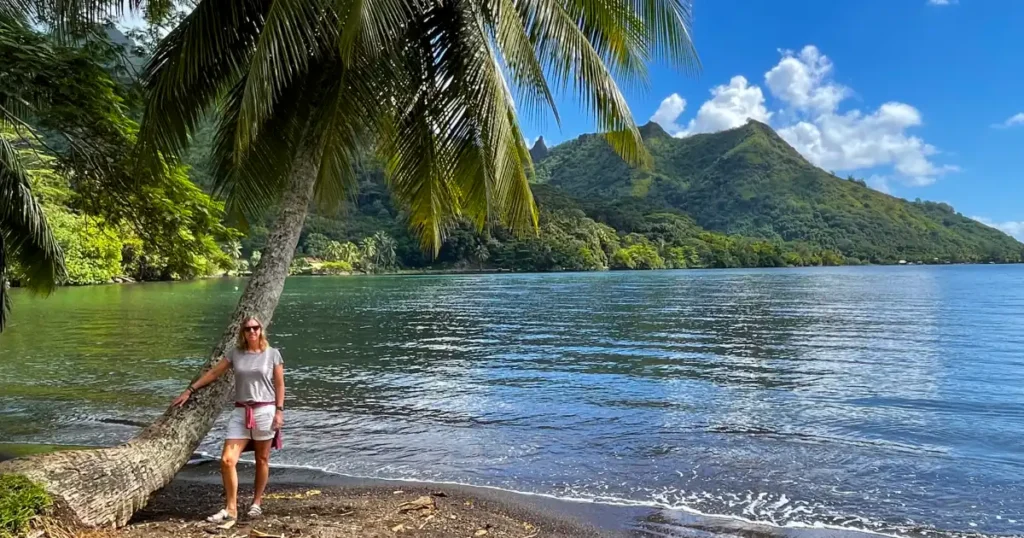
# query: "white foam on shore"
652,504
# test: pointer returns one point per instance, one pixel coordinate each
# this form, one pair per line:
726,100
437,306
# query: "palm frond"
295,33
198,61
64,90
668,36
570,57
373,24
16,10
505,157
252,181
457,151
415,174
345,127
26,238
617,34
519,55
69,19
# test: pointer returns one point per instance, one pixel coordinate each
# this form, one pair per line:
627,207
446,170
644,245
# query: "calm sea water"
889,399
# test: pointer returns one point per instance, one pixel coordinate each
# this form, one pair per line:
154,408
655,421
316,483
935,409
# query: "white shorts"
264,417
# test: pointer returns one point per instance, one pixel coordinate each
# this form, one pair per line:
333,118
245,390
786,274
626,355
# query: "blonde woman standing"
258,415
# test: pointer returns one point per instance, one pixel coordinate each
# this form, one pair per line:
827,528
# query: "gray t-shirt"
254,374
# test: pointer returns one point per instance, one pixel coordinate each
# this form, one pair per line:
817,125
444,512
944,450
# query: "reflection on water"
878,398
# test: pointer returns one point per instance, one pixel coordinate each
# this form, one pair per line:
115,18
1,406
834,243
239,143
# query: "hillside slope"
748,181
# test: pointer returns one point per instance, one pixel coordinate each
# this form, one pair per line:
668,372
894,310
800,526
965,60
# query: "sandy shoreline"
370,507
309,503
345,506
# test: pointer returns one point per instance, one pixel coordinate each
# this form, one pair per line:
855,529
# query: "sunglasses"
252,329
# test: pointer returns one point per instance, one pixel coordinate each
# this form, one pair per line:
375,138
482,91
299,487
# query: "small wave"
719,523
891,445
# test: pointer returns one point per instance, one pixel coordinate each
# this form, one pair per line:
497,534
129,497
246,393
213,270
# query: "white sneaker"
220,517
255,511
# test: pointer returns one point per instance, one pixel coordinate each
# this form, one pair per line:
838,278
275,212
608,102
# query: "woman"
258,414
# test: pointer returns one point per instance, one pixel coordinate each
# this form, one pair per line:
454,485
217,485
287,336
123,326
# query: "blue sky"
922,98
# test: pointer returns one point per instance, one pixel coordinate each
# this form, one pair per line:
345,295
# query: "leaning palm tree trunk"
106,486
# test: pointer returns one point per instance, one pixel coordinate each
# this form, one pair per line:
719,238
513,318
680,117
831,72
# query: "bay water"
889,399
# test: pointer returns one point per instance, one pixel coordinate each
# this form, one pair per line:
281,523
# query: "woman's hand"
278,421
182,398
209,377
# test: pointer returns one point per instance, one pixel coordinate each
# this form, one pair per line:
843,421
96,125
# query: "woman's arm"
205,379
279,391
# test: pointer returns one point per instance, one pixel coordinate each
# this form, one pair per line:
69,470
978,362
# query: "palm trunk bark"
106,486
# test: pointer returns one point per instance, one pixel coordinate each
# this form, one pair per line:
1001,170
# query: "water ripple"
883,399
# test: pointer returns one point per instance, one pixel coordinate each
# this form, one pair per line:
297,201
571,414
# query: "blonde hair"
243,344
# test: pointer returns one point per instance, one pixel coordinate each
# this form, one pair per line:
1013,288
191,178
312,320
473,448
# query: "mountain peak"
652,130
750,182
753,126
751,122
539,150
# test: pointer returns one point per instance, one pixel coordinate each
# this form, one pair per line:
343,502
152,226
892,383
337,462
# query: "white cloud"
854,141
851,140
1014,228
668,112
802,81
730,106
811,121
1012,121
941,2
879,183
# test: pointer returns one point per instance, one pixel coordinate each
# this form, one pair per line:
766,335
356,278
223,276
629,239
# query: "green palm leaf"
25,237
431,86
294,33
667,26
254,181
374,24
193,65
519,55
347,123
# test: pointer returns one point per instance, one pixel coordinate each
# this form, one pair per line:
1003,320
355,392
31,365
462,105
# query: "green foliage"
20,501
300,266
181,229
92,249
299,83
374,254
319,246
67,136
175,234
333,268
641,254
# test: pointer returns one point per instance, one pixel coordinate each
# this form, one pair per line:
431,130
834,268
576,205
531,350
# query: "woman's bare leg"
262,469
229,474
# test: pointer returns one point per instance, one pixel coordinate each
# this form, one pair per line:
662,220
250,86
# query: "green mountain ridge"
750,182
738,198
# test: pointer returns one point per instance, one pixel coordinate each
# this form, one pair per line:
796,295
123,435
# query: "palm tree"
481,254
386,247
348,252
304,87
368,254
